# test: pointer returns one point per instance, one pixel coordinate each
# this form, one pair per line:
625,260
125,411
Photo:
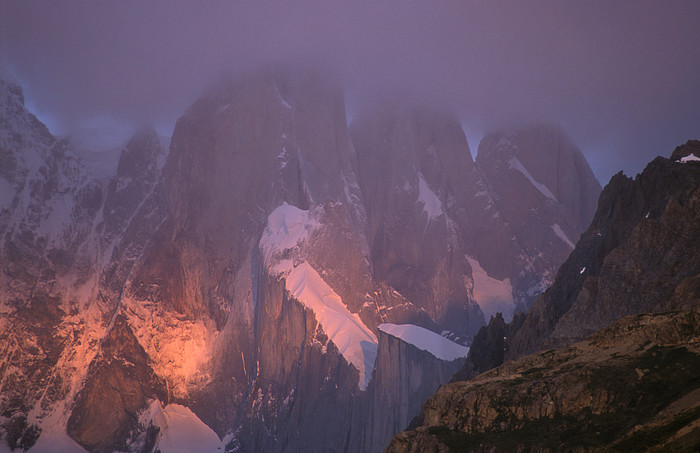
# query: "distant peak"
11,92
688,148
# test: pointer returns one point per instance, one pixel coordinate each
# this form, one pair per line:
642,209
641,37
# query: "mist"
622,78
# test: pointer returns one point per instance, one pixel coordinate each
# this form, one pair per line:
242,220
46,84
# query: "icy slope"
440,347
354,340
181,431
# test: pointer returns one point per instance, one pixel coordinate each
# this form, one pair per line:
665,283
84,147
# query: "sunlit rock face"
47,205
237,275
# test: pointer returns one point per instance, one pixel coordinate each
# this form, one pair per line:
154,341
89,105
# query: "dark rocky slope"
633,386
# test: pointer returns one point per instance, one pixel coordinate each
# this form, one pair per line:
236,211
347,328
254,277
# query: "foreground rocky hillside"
633,386
269,277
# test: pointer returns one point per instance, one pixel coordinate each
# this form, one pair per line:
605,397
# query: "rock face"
411,166
437,219
405,376
243,269
46,204
545,195
632,386
118,385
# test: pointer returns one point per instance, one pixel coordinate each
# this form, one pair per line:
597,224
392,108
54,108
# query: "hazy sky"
622,77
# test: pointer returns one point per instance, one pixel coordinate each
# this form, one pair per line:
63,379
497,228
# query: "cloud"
621,77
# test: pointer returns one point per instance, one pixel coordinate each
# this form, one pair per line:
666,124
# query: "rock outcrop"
119,384
630,387
404,377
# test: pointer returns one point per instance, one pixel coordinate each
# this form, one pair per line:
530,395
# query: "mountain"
631,384
639,249
545,195
270,279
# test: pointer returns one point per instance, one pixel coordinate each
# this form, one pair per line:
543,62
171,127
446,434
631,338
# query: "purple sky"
622,77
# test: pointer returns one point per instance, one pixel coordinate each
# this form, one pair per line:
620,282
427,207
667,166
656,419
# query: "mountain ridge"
168,254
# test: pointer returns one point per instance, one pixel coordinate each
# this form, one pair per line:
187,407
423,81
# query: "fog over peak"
620,77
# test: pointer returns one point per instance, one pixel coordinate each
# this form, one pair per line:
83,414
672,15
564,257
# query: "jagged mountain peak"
690,149
20,129
11,93
143,142
547,156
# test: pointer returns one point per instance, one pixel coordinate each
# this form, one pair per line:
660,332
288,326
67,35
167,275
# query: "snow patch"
431,203
53,439
583,269
355,341
56,441
284,101
689,158
181,431
424,339
492,295
287,226
223,108
515,164
560,233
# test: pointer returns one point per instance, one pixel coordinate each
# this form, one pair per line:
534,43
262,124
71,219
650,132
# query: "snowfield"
424,339
515,164
181,431
431,203
351,336
287,226
492,295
